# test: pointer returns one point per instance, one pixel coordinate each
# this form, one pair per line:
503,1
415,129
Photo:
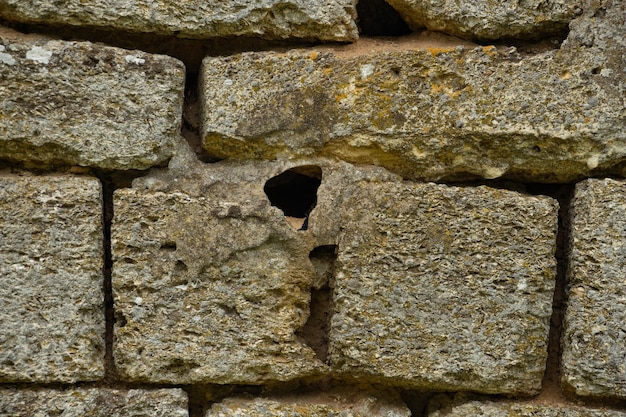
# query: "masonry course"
311,268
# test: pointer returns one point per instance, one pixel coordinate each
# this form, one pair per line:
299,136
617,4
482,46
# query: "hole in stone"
315,332
536,149
596,70
168,246
378,18
295,193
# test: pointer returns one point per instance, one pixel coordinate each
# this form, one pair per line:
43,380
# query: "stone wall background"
306,208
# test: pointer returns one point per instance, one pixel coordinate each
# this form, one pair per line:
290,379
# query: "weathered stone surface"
594,343
80,103
438,113
444,288
272,19
510,409
337,403
489,20
209,289
93,403
51,279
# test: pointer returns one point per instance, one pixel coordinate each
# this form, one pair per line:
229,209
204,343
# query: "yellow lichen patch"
490,50
444,89
437,51
566,75
314,55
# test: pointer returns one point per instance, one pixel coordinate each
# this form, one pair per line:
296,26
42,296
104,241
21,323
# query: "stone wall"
305,208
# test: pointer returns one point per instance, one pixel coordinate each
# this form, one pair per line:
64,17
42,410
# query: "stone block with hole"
339,402
469,407
209,289
330,20
431,107
80,103
93,402
51,279
594,343
444,288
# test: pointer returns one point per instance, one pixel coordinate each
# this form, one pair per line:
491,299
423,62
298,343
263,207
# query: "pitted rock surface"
595,341
332,20
78,103
93,403
51,279
444,288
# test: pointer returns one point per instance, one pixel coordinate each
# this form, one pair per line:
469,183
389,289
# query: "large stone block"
488,20
444,288
594,342
511,409
337,403
93,403
332,20
51,279
432,113
78,103
209,289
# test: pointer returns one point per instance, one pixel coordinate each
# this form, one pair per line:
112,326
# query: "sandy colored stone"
51,279
340,403
594,342
489,20
78,103
436,113
444,288
209,289
93,402
331,20
521,409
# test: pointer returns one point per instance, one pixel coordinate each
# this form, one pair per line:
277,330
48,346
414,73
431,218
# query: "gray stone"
336,403
93,403
209,289
331,20
489,20
444,288
511,409
441,113
51,279
594,341
78,103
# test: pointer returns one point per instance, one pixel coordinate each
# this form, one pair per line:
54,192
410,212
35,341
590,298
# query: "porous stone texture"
78,103
510,409
444,288
209,289
439,113
51,279
594,342
93,403
339,403
332,20
489,20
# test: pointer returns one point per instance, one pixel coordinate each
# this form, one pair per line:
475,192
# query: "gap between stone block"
315,332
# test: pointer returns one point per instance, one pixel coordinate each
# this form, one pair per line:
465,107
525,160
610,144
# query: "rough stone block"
93,403
208,290
510,409
445,288
51,279
331,20
594,343
344,404
425,111
488,20
78,103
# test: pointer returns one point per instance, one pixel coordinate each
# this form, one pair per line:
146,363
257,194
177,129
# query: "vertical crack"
107,207
550,386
